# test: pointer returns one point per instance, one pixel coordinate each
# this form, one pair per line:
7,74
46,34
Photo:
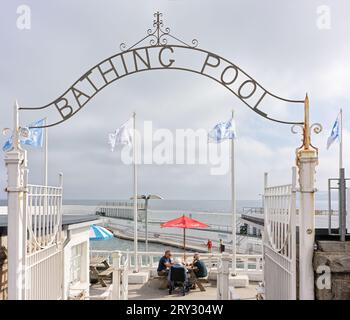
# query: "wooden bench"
198,281
101,276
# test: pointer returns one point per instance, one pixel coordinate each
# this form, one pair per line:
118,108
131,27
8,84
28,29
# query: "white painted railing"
43,212
245,263
279,241
223,274
43,272
120,276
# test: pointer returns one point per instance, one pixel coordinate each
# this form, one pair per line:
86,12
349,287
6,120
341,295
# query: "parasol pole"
183,216
184,244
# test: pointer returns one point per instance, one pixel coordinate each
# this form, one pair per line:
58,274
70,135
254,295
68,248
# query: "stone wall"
332,270
3,267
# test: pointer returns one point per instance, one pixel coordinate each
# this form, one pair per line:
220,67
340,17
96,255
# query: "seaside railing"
120,209
250,264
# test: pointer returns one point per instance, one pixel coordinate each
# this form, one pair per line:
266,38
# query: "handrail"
246,263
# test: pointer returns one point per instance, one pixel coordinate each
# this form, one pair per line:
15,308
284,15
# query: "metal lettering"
241,87
64,107
108,71
223,75
145,62
171,61
206,63
77,94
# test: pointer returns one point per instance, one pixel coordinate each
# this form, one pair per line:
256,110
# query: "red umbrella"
184,222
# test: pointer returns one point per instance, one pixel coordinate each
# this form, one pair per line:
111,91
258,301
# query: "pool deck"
128,236
151,291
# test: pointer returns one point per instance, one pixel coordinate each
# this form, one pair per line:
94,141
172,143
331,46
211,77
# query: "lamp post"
147,198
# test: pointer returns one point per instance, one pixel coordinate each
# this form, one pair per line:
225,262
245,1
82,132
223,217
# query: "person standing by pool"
209,245
164,264
222,246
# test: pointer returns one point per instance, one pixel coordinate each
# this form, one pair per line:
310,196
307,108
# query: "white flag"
123,135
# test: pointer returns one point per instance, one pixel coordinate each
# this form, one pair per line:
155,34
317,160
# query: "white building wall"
78,236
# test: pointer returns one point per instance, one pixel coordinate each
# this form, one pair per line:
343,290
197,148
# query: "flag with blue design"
223,131
34,136
334,133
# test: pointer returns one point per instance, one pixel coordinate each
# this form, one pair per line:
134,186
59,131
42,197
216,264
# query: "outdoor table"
96,261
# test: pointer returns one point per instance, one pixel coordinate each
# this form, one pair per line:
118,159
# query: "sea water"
208,211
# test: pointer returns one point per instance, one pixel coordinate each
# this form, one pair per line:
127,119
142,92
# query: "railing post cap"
116,254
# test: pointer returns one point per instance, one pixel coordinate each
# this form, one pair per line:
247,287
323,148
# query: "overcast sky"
278,44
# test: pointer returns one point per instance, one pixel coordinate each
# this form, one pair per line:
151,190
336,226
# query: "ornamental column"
307,159
15,161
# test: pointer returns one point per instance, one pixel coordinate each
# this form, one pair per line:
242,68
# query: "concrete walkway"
149,291
128,236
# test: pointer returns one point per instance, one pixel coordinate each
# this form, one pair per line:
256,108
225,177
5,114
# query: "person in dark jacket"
222,246
164,264
199,267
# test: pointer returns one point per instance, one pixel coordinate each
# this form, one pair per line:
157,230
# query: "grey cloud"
276,43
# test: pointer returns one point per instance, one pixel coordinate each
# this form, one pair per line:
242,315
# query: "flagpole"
233,199
341,140
45,174
135,193
342,183
46,155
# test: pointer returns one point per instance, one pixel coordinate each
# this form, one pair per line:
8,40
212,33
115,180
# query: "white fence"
223,274
43,270
249,264
120,276
279,241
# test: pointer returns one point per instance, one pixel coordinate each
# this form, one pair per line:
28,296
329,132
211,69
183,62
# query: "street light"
146,198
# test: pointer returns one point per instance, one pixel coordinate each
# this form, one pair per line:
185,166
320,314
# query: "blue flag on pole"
334,133
223,131
34,138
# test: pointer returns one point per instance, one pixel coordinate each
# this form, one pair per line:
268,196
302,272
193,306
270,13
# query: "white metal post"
307,164
116,256
136,269
341,139
45,171
233,199
146,222
306,161
15,161
46,159
264,232
293,256
348,210
225,272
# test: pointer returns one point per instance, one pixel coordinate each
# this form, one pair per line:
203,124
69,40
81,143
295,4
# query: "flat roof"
68,219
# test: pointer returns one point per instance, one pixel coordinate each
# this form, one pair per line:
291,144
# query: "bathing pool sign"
155,52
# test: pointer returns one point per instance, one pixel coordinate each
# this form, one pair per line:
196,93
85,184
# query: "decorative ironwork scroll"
155,52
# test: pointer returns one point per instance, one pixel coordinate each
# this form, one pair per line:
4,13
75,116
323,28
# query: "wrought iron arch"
140,57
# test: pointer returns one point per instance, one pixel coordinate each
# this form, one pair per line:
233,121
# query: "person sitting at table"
198,266
164,264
